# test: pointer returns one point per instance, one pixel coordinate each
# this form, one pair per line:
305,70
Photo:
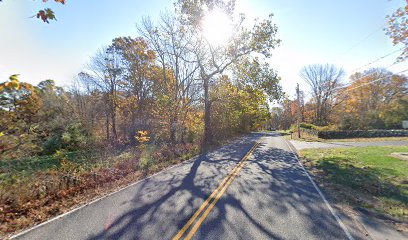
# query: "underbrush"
34,189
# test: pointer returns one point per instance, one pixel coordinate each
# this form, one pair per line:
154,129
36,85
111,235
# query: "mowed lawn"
363,176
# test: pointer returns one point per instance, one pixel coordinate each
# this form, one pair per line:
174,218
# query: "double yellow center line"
209,204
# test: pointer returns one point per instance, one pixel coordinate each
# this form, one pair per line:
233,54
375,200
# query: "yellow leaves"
14,77
142,136
12,83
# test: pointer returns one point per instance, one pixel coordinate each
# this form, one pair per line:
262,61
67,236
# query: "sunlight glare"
217,27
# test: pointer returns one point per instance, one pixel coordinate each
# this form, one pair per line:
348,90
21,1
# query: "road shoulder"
361,223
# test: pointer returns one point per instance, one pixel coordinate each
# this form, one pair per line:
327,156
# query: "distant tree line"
373,99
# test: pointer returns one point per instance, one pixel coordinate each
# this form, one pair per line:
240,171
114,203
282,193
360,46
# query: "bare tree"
324,80
172,44
214,60
104,72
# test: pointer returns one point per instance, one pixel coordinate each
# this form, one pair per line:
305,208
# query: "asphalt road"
270,198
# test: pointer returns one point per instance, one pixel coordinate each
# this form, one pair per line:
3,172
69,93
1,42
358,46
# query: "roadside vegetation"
145,102
367,177
141,104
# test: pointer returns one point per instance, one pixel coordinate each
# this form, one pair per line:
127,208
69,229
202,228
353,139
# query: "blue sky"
347,33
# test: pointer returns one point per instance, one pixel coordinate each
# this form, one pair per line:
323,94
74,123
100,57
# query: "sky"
347,33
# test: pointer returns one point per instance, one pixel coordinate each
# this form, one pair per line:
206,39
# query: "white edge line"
108,195
101,198
321,195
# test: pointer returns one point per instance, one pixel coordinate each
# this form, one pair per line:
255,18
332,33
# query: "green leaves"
253,73
14,77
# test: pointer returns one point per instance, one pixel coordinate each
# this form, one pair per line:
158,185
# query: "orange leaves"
142,136
13,83
57,1
47,14
397,29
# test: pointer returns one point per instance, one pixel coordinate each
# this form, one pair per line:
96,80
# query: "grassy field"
365,177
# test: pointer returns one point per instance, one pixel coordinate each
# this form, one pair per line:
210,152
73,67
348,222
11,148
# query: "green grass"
25,167
379,139
381,180
284,132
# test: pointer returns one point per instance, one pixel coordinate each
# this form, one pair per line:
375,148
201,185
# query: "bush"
51,145
308,126
74,137
362,134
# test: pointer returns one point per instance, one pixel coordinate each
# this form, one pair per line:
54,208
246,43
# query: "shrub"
74,137
51,145
308,126
362,134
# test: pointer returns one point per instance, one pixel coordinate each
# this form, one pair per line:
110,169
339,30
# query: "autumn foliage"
139,105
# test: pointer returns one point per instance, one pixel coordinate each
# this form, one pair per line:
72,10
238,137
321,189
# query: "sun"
217,27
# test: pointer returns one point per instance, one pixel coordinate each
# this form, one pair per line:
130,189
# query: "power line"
373,81
378,59
362,40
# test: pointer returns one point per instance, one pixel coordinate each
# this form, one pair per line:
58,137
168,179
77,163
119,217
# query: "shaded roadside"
358,181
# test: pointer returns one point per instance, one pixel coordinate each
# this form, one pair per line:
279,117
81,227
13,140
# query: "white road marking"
321,195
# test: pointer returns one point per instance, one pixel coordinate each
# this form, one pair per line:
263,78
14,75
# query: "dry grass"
31,199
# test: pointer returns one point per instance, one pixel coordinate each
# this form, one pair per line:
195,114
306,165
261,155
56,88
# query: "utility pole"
298,109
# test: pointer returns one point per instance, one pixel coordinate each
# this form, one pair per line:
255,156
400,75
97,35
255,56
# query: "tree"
251,72
237,110
397,30
19,103
171,41
395,113
214,60
372,97
324,81
104,73
139,74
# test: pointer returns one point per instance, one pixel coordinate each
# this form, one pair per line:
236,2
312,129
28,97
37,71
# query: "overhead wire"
361,41
378,59
367,83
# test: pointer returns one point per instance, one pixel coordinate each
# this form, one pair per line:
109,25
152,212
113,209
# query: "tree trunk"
107,127
113,115
173,128
207,116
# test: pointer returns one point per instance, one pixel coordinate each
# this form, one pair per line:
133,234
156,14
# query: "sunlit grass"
370,171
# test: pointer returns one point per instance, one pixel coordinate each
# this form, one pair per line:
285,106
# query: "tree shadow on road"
156,199
285,199
163,204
